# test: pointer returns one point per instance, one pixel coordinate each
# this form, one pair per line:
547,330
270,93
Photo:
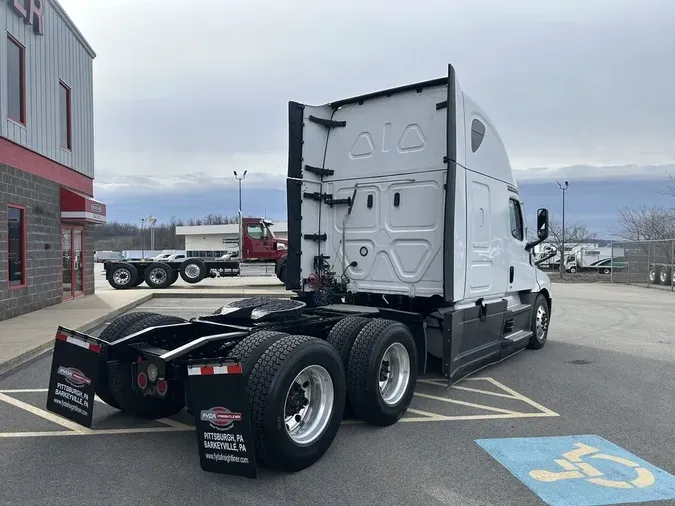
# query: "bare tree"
645,224
576,233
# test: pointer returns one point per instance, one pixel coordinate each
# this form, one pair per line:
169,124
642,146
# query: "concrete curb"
9,364
218,295
22,358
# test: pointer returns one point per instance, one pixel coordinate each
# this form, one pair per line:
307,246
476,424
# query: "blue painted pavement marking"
580,470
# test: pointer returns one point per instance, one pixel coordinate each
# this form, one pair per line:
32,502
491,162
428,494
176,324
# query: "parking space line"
100,432
521,397
24,391
476,390
469,404
44,414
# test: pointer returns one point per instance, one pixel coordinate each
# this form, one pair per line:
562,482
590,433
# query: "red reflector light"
142,380
162,387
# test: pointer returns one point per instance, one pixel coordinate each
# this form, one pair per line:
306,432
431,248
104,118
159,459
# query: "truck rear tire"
158,275
193,270
539,324
114,331
382,372
664,277
343,334
300,380
123,276
121,381
652,274
250,349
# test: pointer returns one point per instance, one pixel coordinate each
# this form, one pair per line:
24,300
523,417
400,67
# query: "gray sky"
201,87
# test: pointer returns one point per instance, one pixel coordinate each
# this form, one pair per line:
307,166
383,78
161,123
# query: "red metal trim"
73,294
68,89
24,271
22,76
24,159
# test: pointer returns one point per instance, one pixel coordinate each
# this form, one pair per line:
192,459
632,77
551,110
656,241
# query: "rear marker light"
152,372
162,387
142,380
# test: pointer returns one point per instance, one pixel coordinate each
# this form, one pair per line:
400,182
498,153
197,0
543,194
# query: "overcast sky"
199,88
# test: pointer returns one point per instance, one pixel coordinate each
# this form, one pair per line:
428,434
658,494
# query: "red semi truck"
258,244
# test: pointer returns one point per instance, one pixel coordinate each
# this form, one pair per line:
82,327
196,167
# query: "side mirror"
542,224
542,229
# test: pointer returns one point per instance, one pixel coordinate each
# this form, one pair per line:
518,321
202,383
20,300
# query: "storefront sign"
32,12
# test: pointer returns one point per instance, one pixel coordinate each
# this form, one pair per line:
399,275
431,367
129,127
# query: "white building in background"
213,241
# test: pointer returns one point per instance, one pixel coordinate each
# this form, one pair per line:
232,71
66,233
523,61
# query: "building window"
16,247
65,117
516,219
16,80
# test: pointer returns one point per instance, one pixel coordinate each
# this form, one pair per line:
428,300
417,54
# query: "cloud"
190,91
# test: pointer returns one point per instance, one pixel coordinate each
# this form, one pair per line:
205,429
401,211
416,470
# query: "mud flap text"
72,381
220,407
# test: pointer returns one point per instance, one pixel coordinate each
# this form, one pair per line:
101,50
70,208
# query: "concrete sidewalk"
26,336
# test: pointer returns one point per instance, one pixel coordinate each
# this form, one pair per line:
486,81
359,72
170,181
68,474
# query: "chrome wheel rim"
309,405
652,275
192,271
394,374
157,276
122,276
541,322
663,277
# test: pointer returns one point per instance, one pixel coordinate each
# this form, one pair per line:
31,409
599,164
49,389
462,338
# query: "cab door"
521,270
257,243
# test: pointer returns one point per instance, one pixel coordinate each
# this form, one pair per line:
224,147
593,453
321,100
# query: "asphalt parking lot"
607,371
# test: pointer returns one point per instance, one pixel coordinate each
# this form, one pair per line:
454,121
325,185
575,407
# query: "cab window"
516,219
255,231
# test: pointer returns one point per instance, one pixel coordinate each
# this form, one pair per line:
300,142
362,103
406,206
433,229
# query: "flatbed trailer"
398,253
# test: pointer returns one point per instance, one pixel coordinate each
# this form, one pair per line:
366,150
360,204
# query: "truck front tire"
382,372
539,324
296,393
193,270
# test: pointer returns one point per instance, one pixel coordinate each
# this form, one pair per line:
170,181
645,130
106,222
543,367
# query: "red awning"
80,208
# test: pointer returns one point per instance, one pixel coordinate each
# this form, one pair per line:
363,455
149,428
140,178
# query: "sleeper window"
516,219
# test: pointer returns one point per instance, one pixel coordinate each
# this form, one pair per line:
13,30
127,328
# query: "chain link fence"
648,263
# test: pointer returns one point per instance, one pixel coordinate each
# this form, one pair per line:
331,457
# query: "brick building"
47,209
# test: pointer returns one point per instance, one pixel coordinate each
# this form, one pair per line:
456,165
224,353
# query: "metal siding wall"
55,55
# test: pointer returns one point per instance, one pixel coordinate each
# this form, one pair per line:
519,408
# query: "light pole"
239,216
142,238
562,253
240,179
152,220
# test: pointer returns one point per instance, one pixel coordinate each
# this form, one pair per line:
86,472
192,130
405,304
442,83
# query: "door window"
516,219
255,231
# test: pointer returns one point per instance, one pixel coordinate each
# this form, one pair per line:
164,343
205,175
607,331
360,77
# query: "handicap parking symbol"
580,470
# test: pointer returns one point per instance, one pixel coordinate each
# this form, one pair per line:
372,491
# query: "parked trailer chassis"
162,274
266,380
662,274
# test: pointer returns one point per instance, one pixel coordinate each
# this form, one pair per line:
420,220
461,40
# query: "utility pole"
563,258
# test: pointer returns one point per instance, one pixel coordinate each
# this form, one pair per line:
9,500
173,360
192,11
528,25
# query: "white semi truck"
407,239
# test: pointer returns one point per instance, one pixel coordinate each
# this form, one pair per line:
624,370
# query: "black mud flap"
74,371
223,423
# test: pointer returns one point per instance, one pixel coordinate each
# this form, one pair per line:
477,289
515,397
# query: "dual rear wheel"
297,386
